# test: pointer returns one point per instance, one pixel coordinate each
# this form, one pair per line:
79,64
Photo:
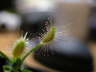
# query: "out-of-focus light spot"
71,1
34,5
44,5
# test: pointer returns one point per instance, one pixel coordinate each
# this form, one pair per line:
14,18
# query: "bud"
19,48
49,36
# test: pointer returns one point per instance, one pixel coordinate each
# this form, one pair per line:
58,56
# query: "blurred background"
74,49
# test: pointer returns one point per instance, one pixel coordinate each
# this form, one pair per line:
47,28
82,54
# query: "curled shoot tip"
49,36
19,48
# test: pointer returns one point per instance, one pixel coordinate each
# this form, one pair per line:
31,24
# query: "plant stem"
33,49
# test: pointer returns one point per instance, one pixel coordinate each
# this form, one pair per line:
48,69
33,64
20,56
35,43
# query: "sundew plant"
15,64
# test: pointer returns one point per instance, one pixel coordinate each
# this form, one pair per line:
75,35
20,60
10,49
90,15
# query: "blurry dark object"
34,70
35,23
3,62
6,4
66,63
69,57
2,27
92,23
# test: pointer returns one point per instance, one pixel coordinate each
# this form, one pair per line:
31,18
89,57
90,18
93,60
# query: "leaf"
17,63
6,68
19,48
26,70
4,56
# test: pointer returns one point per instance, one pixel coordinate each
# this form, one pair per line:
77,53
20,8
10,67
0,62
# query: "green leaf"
49,36
6,68
19,48
26,70
4,56
17,63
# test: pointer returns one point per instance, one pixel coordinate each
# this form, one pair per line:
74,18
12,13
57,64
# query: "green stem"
33,49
